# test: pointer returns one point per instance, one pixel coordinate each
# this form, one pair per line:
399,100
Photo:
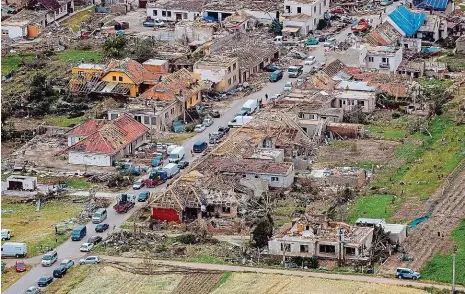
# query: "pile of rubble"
91,206
112,180
125,241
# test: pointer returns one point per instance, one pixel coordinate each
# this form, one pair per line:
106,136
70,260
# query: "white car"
138,184
310,60
275,97
86,247
89,260
199,128
288,86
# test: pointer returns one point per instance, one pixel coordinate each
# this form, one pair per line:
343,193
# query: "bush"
186,239
396,115
189,128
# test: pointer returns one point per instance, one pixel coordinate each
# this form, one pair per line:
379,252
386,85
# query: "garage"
22,183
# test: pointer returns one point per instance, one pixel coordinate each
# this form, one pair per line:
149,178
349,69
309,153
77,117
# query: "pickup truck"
125,203
155,179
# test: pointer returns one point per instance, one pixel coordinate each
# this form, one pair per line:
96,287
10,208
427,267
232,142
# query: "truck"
125,203
250,106
239,121
13,249
156,178
295,71
177,154
171,170
360,26
78,233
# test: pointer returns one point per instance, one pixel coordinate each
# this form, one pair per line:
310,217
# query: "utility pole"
453,269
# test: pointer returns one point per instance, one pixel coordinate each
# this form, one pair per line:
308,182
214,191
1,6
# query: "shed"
397,232
16,182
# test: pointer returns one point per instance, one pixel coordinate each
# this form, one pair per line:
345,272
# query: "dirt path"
232,268
423,241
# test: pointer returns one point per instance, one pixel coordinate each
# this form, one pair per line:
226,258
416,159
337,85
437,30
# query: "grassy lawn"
204,259
388,132
78,183
74,277
10,63
10,276
374,206
440,267
63,120
77,55
37,229
74,22
435,82
428,161
454,62
179,138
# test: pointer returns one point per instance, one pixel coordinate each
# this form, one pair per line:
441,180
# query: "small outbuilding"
17,182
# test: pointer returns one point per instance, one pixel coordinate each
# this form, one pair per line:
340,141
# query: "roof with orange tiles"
112,137
87,127
182,80
135,71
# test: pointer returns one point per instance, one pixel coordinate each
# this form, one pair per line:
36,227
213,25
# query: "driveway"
70,249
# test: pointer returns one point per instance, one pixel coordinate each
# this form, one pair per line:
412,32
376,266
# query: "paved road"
322,275
70,249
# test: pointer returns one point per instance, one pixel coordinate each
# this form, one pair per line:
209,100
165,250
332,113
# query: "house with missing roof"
101,144
55,9
303,16
436,6
170,10
180,86
221,71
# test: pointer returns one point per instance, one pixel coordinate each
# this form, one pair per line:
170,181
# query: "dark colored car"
321,38
20,266
183,164
100,228
44,281
215,114
223,130
276,76
271,68
60,271
94,240
143,196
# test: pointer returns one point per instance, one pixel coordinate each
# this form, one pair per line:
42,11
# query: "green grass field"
63,120
373,206
428,161
74,22
10,63
439,269
37,229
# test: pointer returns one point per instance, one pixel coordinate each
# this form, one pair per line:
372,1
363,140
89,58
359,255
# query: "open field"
107,279
63,120
10,276
37,229
13,62
74,22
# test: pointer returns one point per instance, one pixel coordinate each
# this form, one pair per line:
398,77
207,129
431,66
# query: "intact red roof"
135,71
87,128
112,137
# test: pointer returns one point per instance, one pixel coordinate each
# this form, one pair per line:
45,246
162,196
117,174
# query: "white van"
177,154
250,106
11,249
49,258
170,148
7,234
99,216
171,169
239,121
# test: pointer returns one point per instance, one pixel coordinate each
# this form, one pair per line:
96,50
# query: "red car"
20,266
338,11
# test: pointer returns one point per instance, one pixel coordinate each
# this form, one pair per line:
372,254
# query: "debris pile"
124,241
91,206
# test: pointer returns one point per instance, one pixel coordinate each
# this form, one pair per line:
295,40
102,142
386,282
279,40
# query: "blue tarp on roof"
439,5
407,21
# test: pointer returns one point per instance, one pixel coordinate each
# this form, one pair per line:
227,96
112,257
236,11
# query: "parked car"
153,23
20,266
157,161
60,271
183,164
275,97
329,42
321,38
406,273
86,247
311,42
310,60
44,281
288,86
208,121
100,228
68,263
32,290
274,77
89,260
242,112
199,146
223,130
199,128
143,196
271,68
215,114
138,184
49,258
94,240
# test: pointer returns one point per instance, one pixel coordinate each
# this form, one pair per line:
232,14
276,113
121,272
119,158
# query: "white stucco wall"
158,13
262,17
377,58
15,31
283,181
89,159
73,140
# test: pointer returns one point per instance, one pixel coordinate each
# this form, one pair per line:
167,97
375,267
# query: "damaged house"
222,72
316,236
303,16
108,143
170,10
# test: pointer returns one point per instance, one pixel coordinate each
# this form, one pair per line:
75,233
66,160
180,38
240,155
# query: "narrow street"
70,249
